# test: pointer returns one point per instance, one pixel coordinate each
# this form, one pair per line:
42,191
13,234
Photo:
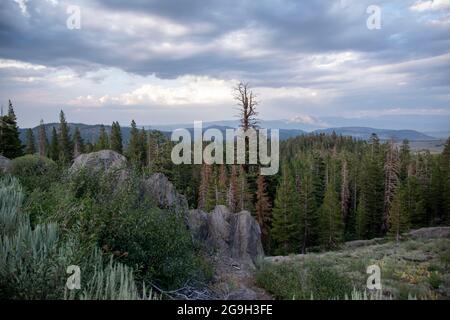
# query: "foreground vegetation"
113,232
412,269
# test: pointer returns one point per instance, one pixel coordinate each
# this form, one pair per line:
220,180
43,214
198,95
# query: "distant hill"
384,134
90,133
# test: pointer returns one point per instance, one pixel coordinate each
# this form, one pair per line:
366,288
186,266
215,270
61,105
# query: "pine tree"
10,144
398,218
78,143
232,195
285,231
445,169
103,139
391,180
414,202
345,192
204,192
262,209
405,160
143,147
361,218
221,188
43,141
244,193
54,146
30,146
332,226
65,145
307,212
116,138
133,151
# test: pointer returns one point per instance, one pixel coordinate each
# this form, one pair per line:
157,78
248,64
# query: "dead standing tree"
246,101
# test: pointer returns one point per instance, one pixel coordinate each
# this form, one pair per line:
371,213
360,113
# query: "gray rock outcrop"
107,160
159,188
5,164
234,235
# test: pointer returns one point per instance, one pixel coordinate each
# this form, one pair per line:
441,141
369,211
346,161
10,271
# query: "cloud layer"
176,61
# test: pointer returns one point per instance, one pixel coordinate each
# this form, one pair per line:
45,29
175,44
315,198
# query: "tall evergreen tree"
64,142
78,143
43,141
445,169
391,181
405,160
232,195
332,226
398,219
30,146
134,149
285,231
54,146
205,192
345,191
116,138
103,139
10,144
307,212
263,209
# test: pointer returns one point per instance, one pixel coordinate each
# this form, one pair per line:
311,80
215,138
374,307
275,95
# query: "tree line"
330,188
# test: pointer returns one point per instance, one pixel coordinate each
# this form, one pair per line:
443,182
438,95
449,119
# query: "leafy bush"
33,261
122,221
34,171
435,279
311,281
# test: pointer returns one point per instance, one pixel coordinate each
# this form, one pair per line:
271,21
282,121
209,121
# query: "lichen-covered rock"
106,160
198,225
160,189
5,164
233,235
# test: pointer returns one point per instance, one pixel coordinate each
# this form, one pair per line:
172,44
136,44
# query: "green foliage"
435,280
64,141
116,138
30,146
285,215
331,219
154,242
33,261
10,144
103,140
313,281
34,171
54,147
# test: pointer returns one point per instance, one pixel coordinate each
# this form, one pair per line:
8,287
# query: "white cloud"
6,63
307,119
23,7
428,5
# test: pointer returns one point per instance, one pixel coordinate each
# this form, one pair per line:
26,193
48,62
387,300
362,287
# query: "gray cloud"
286,43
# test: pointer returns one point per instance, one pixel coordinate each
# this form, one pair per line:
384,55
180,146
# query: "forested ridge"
329,189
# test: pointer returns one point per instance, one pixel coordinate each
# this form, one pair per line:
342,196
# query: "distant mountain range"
287,129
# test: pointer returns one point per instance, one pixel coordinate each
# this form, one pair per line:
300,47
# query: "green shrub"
305,281
34,171
33,261
435,280
327,283
125,223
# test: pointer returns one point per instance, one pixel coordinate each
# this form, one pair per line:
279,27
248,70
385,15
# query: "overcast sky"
160,62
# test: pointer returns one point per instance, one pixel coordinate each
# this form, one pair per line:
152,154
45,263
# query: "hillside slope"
418,268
